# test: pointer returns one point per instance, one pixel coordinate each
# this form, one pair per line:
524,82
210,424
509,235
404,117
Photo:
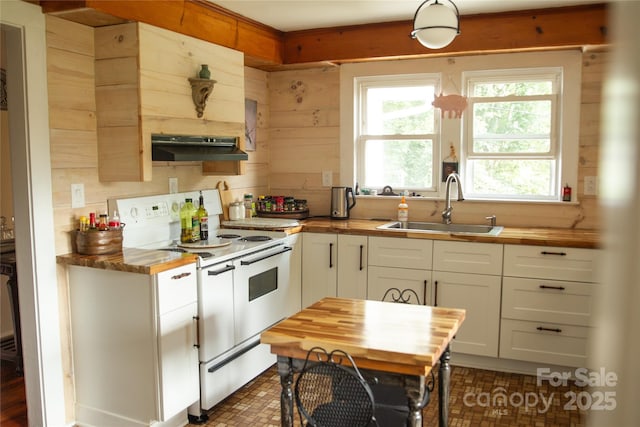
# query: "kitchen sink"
435,227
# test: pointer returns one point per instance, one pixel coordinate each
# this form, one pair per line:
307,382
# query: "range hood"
177,148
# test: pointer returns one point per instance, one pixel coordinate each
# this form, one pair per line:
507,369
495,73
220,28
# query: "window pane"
512,118
399,110
512,177
522,88
521,145
402,164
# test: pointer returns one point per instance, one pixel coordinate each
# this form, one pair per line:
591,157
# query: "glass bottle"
203,217
248,202
186,221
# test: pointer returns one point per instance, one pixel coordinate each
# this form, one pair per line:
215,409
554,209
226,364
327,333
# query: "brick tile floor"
479,398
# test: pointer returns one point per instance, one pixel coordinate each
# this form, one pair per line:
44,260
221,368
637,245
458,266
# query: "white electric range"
243,277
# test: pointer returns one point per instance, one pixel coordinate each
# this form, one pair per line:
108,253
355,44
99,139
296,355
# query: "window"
512,148
396,139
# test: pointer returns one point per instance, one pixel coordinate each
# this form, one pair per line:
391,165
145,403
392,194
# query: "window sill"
433,199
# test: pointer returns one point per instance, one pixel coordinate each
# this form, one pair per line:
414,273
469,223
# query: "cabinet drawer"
551,263
544,342
400,252
547,300
177,288
467,257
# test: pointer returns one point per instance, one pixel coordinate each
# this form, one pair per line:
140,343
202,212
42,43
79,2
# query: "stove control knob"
134,212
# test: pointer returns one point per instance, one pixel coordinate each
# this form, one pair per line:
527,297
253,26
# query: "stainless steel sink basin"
435,227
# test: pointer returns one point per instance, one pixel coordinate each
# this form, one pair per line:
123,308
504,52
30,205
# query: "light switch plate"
590,185
173,185
77,196
327,178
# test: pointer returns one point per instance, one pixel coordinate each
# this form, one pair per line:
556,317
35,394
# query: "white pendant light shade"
436,25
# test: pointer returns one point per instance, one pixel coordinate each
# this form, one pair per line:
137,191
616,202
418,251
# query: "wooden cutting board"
225,198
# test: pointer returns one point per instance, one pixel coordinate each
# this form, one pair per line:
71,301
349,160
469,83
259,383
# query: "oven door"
261,281
215,309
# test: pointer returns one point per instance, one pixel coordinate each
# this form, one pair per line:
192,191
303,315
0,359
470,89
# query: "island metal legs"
285,371
415,391
444,375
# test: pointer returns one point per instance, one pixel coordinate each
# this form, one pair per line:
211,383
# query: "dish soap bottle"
403,211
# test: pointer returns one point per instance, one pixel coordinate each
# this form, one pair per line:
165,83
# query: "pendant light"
436,24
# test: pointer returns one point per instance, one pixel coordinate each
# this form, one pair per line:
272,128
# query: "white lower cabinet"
333,265
134,336
479,295
547,304
319,267
399,263
352,266
468,275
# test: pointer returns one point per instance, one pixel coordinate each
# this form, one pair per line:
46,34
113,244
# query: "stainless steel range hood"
176,148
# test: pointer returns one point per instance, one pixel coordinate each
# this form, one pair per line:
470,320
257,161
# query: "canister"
236,211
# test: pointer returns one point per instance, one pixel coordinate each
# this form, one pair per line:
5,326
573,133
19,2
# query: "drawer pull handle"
558,288
540,328
553,253
180,276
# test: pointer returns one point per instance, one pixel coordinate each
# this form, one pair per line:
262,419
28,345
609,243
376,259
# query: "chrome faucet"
446,213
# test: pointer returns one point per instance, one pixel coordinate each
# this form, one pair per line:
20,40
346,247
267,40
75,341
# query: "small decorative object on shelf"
201,88
205,73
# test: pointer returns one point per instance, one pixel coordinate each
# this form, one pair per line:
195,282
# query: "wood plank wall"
74,148
304,129
73,134
297,139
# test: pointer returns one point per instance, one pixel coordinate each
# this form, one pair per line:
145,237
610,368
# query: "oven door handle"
222,270
254,260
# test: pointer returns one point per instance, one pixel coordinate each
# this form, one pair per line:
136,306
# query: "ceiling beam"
196,18
267,48
555,28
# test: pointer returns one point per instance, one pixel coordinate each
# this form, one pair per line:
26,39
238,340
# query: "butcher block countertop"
572,238
131,260
374,333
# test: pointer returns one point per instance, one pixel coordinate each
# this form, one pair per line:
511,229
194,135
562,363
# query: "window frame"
361,85
452,131
508,75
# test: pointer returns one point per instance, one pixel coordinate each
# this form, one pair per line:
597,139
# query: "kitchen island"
378,339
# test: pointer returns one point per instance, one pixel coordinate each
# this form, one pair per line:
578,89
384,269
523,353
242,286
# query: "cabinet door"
479,295
400,252
179,383
383,278
352,271
319,267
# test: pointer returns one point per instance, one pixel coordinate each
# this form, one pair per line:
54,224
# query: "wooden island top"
382,336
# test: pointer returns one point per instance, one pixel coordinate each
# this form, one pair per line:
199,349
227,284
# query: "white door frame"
25,40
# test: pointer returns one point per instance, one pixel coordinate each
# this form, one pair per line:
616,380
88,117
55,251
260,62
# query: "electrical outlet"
173,185
77,196
327,178
590,185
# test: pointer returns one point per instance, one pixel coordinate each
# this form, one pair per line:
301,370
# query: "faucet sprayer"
446,213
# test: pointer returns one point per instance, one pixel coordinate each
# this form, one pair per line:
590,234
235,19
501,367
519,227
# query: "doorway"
24,38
